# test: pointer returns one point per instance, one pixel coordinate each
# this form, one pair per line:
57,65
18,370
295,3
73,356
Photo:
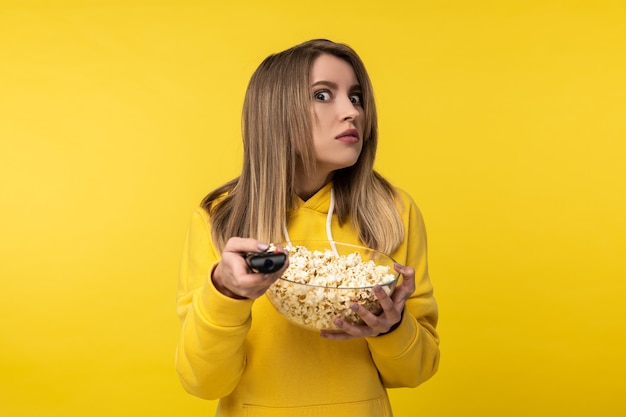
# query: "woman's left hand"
377,324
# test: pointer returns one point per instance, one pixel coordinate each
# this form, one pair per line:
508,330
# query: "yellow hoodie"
259,365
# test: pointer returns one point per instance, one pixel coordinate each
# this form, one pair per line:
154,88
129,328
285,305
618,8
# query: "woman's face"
337,114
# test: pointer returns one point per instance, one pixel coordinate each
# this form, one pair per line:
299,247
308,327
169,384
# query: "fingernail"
262,246
398,266
338,323
354,307
378,288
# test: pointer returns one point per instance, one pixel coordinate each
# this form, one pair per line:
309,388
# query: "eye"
356,99
322,95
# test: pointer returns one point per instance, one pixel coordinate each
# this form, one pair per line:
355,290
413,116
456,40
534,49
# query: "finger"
391,311
355,331
408,276
242,245
336,335
386,302
407,288
401,294
259,282
374,324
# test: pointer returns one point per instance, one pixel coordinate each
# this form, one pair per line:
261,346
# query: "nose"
348,110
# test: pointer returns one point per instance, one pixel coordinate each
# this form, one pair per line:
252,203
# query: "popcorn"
319,286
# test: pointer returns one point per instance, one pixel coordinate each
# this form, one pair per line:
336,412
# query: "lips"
349,136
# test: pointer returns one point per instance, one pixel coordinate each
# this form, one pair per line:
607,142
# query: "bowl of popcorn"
325,278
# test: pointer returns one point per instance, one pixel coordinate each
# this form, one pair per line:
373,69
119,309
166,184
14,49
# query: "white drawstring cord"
287,239
329,219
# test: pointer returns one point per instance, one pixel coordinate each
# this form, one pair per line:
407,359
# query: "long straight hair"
277,135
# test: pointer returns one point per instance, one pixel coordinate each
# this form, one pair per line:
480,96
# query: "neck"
307,187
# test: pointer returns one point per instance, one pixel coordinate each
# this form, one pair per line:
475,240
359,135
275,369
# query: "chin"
343,166
331,165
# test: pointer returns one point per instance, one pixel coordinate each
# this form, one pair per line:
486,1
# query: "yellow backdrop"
505,120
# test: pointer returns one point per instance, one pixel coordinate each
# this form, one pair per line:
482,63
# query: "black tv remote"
266,262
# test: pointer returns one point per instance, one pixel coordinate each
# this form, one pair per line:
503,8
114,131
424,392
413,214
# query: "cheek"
361,118
319,125
322,115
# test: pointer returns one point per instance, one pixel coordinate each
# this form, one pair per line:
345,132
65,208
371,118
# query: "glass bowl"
324,278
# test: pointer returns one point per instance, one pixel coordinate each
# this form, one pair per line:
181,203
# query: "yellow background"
505,121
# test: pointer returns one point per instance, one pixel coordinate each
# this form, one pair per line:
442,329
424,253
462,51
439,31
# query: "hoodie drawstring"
329,219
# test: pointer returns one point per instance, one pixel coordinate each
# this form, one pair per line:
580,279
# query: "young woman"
310,136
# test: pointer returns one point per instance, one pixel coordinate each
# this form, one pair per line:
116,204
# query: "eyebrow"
334,85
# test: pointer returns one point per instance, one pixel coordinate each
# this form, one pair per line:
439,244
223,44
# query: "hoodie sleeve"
409,355
211,351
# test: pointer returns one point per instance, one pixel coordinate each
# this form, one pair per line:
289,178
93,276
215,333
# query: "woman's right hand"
233,277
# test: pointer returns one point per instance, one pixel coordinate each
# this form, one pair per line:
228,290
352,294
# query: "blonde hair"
277,134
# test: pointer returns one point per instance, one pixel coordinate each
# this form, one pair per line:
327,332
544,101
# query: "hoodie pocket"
378,407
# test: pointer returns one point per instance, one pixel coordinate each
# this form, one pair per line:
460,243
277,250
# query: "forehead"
333,69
